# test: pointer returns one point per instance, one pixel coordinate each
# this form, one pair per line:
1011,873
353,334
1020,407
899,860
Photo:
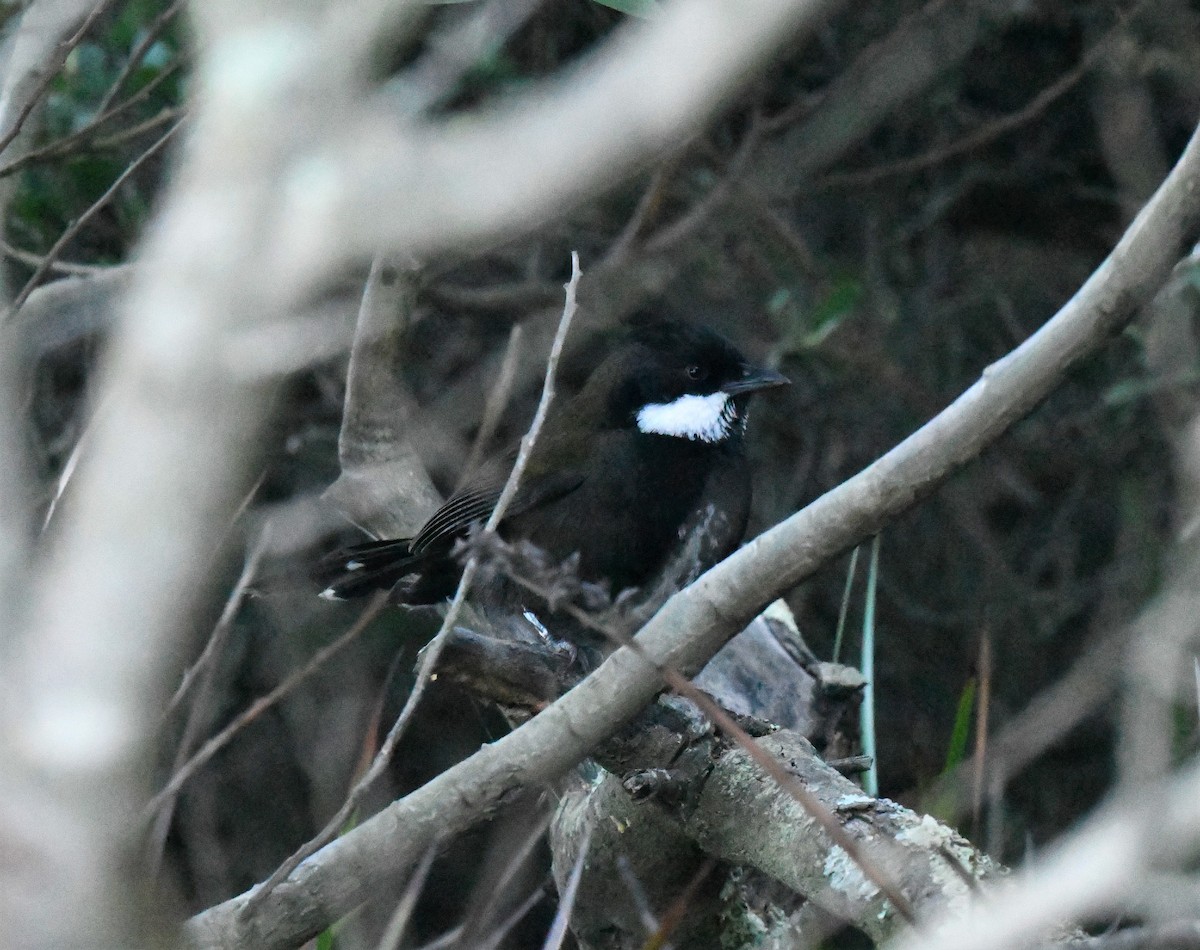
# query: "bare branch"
383,487
24,87
44,36
497,402
558,929
529,440
65,238
153,30
64,310
697,621
58,267
119,579
201,674
434,185
408,901
433,650
1090,871
899,67
216,743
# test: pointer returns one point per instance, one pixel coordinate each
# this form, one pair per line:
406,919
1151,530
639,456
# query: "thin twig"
448,939
956,866
566,903
723,721
408,901
497,401
519,297
433,650
52,255
163,116
539,417
802,255
979,137
496,888
672,234
61,52
371,734
149,37
61,267
648,204
870,778
263,703
454,50
637,893
981,727
1196,670
842,614
679,907
66,145
217,639
495,938
202,671
68,469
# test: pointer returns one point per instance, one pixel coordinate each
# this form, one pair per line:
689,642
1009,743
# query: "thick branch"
383,487
120,576
694,623
34,51
438,184
1099,864
744,818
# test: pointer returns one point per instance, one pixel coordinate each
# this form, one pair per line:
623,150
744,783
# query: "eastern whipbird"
618,474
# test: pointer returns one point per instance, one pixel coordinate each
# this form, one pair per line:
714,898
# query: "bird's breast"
625,518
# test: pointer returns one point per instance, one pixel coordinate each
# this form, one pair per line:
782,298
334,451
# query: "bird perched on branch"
619,473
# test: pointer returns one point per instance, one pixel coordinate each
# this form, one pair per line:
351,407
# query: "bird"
617,475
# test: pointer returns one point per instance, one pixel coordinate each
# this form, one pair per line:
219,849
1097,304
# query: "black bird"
617,474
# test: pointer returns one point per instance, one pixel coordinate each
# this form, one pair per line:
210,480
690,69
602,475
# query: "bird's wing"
470,505
475,503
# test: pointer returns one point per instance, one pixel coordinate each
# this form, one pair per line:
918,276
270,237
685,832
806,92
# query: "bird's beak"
754,380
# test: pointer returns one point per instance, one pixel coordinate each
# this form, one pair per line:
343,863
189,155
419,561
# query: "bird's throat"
711,418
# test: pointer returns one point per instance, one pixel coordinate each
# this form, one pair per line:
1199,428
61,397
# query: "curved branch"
433,185
383,487
693,624
1102,861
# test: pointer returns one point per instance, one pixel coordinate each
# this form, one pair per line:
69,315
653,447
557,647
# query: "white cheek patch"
709,418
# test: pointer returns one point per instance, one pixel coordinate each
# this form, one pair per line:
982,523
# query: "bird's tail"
357,571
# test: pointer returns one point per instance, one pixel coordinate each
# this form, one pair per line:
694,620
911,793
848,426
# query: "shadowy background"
882,280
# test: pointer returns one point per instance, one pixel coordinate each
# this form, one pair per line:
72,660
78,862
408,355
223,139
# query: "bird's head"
676,379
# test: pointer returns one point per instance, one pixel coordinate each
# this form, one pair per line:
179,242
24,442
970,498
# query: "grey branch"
743,818
433,185
696,622
383,487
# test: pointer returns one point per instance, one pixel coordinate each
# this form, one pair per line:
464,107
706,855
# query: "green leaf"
962,725
805,328
870,778
828,315
842,614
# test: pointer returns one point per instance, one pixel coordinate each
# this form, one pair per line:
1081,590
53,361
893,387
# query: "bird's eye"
696,373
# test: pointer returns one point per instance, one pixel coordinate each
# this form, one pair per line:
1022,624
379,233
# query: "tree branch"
383,487
480,176
697,621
